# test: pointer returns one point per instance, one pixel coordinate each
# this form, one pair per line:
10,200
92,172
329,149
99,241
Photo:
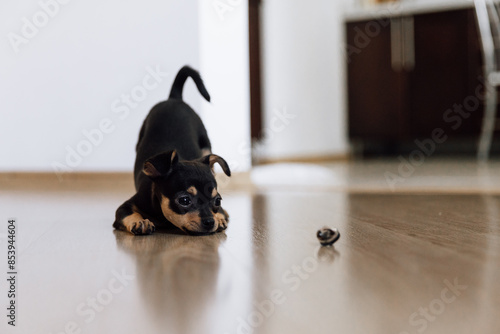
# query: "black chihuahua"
174,176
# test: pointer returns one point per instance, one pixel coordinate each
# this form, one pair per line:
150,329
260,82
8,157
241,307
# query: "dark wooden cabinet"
376,91
406,73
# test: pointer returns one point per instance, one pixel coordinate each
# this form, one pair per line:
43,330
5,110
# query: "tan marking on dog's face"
214,192
189,221
192,190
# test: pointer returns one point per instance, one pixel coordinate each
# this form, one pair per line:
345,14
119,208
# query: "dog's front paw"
222,226
142,227
222,218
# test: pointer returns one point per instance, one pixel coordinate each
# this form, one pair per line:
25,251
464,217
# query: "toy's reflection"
177,277
327,254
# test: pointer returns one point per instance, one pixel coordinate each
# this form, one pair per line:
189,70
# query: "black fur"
173,124
180,79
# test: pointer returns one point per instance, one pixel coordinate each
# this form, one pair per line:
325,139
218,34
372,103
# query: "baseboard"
50,180
73,176
320,159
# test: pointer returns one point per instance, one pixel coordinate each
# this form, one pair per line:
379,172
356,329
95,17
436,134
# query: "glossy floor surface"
407,262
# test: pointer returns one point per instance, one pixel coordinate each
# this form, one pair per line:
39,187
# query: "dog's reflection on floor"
177,276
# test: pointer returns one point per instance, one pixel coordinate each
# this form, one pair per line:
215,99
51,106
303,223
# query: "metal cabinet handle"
408,43
402,43
396,47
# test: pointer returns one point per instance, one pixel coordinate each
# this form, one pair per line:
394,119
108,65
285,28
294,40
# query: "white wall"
71,74
303,76
224,62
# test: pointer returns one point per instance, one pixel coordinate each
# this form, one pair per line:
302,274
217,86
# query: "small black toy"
328,236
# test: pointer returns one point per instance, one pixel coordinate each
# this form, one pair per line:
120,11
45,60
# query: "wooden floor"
407,262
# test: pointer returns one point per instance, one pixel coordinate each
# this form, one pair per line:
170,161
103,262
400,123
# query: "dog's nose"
208,223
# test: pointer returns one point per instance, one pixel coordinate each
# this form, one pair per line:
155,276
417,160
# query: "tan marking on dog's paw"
143,227
221,221
137,225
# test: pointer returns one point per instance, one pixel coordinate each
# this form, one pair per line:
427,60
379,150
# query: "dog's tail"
180,79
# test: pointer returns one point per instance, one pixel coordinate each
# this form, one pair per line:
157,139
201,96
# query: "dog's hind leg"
129,219
204,144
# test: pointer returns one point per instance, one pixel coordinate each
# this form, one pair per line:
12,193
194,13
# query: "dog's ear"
160,164
211,159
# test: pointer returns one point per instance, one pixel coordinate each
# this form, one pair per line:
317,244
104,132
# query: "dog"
174,176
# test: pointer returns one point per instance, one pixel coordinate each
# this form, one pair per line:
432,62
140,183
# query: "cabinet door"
445,52
375,86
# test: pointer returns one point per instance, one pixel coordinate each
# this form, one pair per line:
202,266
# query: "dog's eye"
184,201
217,201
